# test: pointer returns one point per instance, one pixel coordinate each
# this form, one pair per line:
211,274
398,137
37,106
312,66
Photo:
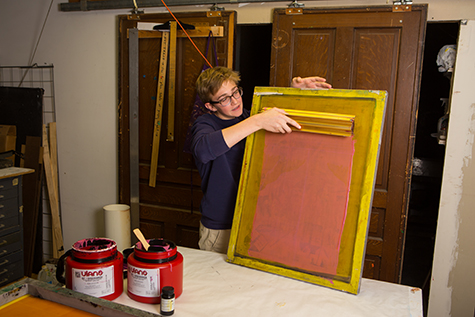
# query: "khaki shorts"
214,240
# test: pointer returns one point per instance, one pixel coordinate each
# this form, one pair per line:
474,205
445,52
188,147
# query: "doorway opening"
429,154
252,60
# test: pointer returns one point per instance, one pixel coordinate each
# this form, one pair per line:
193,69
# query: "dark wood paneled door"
365,48
169,210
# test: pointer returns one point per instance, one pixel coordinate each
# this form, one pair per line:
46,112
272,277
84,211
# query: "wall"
83,48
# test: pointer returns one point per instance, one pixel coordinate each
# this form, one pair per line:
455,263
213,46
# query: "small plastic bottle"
167,301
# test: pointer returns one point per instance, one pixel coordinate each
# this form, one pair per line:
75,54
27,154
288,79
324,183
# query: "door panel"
373,49
169,210
374,67
320,45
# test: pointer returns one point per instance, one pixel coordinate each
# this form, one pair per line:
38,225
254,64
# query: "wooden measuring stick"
158,109
58,248
171,83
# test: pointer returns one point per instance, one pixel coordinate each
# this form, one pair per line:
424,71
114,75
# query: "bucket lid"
160,249
94,248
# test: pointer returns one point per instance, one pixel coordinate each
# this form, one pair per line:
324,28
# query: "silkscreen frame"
368,108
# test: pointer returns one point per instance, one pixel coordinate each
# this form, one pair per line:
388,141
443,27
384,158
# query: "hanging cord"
136,8
37,43
207,62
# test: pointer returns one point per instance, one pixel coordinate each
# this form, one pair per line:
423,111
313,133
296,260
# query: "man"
218,144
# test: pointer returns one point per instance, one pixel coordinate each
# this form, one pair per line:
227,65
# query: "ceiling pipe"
84,5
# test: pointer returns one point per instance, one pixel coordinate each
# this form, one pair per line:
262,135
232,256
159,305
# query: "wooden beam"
58,248
32,192
199,31
53,150
230,56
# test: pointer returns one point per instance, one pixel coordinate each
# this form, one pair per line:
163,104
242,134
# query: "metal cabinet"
11,225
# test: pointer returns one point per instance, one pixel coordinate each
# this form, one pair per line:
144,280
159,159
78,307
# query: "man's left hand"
314,82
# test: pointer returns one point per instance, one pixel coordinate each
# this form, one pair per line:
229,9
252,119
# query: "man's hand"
276,120
310,82
272,120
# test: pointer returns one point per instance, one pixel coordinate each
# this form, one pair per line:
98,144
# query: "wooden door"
365,48
169,210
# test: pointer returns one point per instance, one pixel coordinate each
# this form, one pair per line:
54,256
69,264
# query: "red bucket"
93,267
149,271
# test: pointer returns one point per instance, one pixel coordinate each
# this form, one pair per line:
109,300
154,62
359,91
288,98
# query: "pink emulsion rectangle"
302,201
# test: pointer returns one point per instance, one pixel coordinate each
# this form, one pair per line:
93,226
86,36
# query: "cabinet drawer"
9,225
9,259
11,268
8,184
8,193
8,208
10,243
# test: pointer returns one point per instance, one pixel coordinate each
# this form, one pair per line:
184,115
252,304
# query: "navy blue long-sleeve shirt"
219,167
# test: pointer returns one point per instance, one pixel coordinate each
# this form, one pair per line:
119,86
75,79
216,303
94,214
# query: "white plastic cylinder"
117,225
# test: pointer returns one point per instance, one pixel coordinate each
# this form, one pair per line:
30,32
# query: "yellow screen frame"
365,109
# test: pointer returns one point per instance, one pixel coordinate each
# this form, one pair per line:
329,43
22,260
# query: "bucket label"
95,282
143,282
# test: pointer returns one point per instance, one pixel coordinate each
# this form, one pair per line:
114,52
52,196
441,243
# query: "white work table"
214,287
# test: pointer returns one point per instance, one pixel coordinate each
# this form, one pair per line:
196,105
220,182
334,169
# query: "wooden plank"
171,83
229,58
54,154
58,248
14,171
199,31
22,159
31,199
158,108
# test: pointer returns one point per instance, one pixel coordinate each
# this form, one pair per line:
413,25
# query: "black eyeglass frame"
240,92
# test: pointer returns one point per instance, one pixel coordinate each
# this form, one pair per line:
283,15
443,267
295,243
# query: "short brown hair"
211,80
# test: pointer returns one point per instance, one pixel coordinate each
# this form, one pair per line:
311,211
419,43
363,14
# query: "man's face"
225,93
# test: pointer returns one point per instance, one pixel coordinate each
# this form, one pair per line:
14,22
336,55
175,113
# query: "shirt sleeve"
207,142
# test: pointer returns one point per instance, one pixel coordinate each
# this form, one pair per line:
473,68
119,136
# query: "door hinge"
295,8
133,17
402,5
214,11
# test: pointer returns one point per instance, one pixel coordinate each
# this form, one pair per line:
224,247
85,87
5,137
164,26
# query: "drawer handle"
4,280
1,196
1,206
4,262
4,271
3,252
3,242
2,225
2,216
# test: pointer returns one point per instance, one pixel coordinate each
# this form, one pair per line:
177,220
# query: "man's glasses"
225,101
